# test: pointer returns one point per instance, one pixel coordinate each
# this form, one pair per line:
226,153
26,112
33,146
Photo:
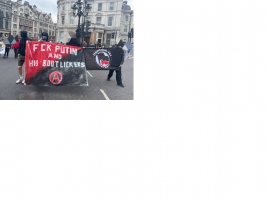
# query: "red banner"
54,64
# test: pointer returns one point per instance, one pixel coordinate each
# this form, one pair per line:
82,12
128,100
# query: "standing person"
6,51
98,45
84,44
45,37
21,52
118,71
15,46
127,54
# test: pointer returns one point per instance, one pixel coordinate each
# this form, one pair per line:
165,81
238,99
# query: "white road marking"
104,94
89,73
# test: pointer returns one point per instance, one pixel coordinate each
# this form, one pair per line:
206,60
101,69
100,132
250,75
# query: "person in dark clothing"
118,71
73,42
21,52
98,45
45,36
7,51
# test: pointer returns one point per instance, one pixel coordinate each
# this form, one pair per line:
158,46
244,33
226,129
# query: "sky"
50,6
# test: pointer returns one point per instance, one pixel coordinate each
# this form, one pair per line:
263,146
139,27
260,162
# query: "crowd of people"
20,50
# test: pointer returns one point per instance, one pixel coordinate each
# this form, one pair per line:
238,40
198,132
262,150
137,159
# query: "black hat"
45,36
121,43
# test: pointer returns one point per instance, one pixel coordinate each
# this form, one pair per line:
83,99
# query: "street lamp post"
78,6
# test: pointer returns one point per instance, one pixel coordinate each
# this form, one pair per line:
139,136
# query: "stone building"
106,16
5,18
28,18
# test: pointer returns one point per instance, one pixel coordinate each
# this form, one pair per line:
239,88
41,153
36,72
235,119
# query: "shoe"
108,79
23,82
19,80
4,57
120,85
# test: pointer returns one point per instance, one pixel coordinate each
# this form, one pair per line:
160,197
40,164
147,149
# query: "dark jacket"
73,42
22,44
7,48
122,55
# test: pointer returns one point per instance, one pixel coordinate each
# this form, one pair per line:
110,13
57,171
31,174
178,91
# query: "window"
6,23
100,35
90,6
126,18
88,19
14,33
125,29
14,19
63,20
100,7
7,14
71,19
35,29
63,7
61,36
15,26
30,35
35,24
111,7
30,13
1,18
21,10
108,39
110,21
98,20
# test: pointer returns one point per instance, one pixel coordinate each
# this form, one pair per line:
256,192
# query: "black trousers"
6,53
16,52
118,75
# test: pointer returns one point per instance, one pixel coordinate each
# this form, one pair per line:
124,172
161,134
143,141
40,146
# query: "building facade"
27,18
106,17
5,18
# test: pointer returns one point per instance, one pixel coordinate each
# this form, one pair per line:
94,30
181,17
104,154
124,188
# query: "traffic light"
129,35
88,24
112,35
132,31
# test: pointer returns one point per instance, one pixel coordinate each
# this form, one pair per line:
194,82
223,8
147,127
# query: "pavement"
99,88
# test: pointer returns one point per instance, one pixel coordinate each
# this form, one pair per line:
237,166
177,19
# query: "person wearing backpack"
22,53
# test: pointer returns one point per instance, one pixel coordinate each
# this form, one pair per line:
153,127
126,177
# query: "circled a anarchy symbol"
55,77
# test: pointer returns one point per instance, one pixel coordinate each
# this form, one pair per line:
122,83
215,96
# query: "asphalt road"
9,90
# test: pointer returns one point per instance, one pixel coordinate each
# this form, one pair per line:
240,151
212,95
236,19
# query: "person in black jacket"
118,71
7,51
21,52
45,37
